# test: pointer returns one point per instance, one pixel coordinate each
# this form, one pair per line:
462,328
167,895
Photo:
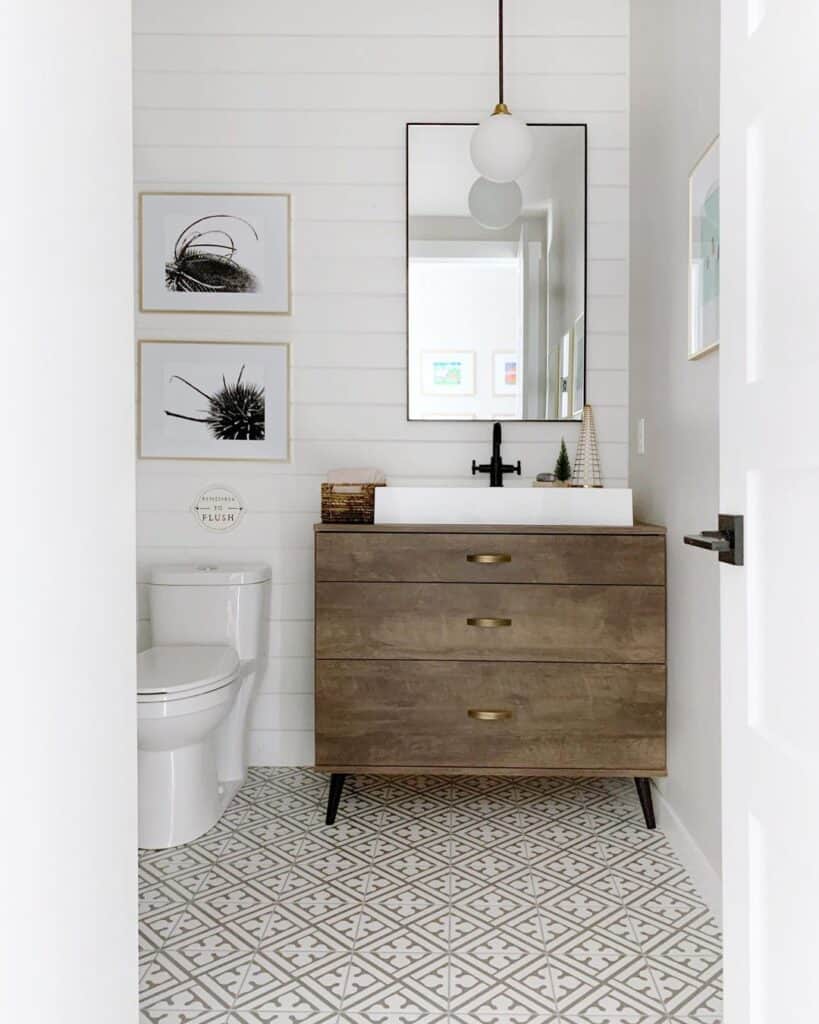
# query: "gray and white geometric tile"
469,900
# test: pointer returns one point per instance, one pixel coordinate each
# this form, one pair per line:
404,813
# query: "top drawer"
634,560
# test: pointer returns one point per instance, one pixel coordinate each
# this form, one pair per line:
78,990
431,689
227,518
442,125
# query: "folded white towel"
356,476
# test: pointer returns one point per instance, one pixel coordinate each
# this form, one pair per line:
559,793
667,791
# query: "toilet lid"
184,669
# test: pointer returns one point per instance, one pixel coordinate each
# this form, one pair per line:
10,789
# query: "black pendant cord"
500,51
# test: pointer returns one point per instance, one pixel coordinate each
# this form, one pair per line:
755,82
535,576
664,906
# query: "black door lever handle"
711,540
727,541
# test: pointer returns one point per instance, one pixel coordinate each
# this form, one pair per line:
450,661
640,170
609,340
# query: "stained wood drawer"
546,623
415,714
630,559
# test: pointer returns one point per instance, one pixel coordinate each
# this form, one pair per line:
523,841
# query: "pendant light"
501,145
495,204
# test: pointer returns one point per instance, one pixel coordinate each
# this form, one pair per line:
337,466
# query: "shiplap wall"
311,98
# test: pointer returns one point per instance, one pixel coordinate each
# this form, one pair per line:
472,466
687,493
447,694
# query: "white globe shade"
501,147
495,204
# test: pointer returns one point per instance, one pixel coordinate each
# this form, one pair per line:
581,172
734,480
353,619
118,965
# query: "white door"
769,423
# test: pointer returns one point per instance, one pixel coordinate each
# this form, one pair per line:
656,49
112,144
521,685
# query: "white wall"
68,743
312,98
675,115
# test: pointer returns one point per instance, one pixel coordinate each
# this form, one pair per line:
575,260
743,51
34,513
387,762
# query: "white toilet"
193,690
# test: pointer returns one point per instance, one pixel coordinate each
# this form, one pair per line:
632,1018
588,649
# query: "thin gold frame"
715,344
220,312
207,458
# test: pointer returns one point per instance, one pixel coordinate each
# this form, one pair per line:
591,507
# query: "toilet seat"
182,671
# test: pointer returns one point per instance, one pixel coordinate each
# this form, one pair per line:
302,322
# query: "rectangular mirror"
496,317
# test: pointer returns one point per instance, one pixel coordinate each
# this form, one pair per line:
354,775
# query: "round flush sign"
218,508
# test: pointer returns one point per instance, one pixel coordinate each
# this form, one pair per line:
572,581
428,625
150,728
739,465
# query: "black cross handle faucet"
496,467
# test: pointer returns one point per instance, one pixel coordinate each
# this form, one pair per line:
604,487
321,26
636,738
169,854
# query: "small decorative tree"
563,469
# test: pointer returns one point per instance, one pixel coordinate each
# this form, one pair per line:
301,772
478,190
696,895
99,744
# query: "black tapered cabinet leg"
334,797
644,793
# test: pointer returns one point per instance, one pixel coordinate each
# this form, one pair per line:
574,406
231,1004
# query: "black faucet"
496,467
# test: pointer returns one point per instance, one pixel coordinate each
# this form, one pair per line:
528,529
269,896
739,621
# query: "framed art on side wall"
214,400
704,254
214,252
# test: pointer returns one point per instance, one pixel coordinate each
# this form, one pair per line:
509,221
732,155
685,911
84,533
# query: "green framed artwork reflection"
448,372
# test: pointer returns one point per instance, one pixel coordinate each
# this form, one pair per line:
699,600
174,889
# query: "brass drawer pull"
489,559
488,623
488,716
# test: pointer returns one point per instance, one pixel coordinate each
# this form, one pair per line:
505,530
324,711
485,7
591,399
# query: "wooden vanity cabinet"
528,650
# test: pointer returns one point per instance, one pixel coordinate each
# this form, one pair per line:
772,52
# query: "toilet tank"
211,604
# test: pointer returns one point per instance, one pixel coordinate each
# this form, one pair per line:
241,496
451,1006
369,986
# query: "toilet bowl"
184,693
194,690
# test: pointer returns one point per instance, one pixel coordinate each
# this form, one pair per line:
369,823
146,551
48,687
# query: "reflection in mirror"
496,315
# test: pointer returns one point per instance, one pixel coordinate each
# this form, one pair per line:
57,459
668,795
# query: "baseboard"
693,859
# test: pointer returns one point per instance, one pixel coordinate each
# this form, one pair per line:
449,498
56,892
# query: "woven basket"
348,503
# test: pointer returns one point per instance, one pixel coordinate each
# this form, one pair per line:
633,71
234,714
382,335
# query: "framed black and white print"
214,400
214,252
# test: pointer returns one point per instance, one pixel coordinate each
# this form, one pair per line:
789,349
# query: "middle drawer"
489,621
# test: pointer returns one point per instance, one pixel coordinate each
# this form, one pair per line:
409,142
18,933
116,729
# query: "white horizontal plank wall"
312,98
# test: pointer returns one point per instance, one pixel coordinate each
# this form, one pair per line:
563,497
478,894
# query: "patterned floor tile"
597,946
432,900
394,1018
468,928
171,893
696,1019
627,1018
309,885
170,985
295,981
196,927
655,935
397,982
378,928
156,927
182,1017
291,925
386,980
284,1017
162,865
504,1018
348,837
500,947
624,986
477,987
692,954
684,992
579,907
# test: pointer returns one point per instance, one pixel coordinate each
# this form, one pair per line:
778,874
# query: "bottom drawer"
561,716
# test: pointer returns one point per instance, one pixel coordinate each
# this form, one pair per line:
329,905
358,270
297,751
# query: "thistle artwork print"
214,253
234,412
214,400
206,257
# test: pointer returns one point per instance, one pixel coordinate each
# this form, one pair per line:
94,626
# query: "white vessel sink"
505,506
